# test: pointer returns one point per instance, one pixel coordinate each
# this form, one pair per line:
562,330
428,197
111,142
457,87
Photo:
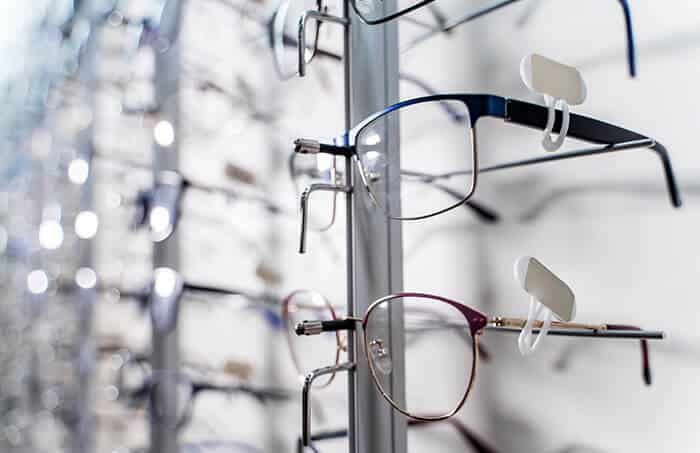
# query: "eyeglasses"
308,170
301,305
458,165
295,42
443,353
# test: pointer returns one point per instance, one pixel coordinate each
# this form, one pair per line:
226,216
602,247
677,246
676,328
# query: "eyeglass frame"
341,345
483,212
608,137
477,323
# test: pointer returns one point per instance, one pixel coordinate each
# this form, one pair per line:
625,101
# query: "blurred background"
88,101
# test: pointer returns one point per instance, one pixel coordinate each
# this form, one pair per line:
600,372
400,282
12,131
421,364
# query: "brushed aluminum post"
375,266
165,349
85,291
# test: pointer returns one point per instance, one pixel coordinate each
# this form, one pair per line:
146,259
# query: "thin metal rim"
385,209
387,397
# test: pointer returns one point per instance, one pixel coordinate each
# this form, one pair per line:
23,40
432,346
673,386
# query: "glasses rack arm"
308,328
320,17
309,146
305,207
306,396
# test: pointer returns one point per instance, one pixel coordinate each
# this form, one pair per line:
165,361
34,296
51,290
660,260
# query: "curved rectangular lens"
436,168
438,355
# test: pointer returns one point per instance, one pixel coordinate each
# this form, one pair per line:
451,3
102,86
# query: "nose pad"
380,356
373,176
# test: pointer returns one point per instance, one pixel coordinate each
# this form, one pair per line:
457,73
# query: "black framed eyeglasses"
458,165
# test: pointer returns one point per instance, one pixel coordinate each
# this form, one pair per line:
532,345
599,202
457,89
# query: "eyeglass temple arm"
306,396
484,213
472,15
631,53
475,14
306,194
593,131
301,46
232,194
671,185
468,436
468,17
220,291
261,395
644,350
569,329
564,357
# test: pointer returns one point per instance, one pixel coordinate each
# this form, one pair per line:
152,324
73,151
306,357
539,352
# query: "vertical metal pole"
86,295
375,266
165,353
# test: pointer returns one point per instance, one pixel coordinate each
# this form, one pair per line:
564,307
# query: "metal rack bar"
374,245
85,295
165,355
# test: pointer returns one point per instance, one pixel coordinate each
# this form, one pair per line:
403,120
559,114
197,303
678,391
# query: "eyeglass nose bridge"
320,16
304,200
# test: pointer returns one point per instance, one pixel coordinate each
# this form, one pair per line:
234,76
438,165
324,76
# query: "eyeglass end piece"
647,377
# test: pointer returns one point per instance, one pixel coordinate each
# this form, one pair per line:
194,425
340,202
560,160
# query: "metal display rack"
374,247
166,254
